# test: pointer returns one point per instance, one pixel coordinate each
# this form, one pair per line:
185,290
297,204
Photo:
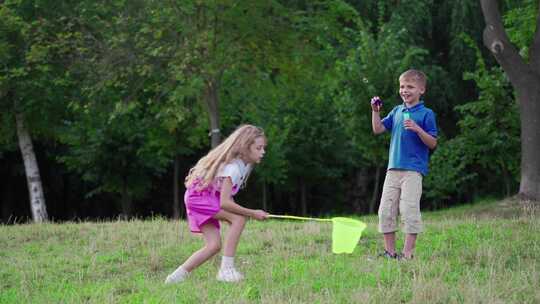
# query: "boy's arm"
376,123
426,138
228,204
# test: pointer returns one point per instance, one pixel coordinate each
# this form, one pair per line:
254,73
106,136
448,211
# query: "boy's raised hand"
376,104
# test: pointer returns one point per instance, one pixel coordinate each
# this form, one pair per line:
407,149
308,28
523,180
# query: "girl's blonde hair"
235,146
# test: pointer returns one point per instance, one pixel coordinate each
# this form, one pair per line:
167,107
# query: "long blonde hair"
235,146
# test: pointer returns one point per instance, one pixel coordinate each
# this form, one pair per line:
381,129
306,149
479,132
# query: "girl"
210,186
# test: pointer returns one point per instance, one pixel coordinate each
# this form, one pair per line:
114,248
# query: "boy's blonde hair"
414,75
235,146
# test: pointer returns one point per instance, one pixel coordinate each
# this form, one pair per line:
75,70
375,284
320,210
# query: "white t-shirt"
237,170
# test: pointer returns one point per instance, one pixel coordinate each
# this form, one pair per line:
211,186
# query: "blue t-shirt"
407,151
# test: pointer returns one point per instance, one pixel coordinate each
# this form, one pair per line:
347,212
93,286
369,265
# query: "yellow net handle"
292,217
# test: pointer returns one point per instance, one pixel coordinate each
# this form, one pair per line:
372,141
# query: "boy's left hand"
409,124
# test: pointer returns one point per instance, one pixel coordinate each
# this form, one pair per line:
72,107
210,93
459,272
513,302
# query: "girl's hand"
259,215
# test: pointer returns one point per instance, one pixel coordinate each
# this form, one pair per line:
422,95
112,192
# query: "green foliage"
489,140
290,99
465,18
113,152
34,51
122,82
134,111
490,125
371,68
449,173
320,144
520,24
261,103
413,18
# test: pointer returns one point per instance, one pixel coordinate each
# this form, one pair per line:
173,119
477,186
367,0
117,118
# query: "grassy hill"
488,252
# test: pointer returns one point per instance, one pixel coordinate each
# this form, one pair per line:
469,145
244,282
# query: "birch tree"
33,178
33,83
15,75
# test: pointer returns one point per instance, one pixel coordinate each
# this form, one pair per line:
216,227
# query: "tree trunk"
507,178
375,194
358,190
303,197
176,202
529,188
33,179
70,210
7,203
7,195
127,201
277,197
525,78
211,98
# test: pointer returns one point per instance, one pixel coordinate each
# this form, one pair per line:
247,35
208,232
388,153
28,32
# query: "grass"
481,253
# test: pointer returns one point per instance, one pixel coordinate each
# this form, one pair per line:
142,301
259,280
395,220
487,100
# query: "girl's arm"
228,204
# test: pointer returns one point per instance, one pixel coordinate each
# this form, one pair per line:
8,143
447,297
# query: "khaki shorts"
401,195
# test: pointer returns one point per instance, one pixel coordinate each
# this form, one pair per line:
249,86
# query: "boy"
413,133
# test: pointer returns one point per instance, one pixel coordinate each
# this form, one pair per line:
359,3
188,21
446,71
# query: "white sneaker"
229,274
177,276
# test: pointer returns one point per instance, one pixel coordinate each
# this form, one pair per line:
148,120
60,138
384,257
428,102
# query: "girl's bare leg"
212,246
237,222
227,271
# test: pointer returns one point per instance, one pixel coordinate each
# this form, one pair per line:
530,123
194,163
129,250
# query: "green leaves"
488,141
123,83
371,68
110,150
520,22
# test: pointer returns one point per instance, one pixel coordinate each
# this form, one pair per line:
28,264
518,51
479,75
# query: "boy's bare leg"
390,242
408,247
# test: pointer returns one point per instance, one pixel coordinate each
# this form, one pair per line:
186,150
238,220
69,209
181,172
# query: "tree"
211,38
525,79
483,154
118,150
33,83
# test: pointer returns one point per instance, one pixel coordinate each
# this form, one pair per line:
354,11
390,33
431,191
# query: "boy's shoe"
388,255
229,274
177,276
402,257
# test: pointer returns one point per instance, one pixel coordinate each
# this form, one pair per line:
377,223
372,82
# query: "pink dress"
202,205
